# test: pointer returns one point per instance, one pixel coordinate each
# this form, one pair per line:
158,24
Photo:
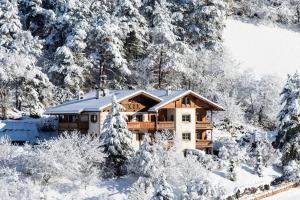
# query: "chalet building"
186,113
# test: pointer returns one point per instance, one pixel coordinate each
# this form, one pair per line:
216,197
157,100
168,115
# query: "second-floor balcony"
141,125
165,125
161,125
204,125
200,144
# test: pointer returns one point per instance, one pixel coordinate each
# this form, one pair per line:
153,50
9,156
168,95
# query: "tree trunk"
298,14
159,69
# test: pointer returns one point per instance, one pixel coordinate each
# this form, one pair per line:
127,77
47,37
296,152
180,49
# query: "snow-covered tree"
14,186
163,190
145,164
205,24
202,189
10,24
291,150
224,157
116,138
30,85
289,116
65,72
72,156
292,171
259,160
231,172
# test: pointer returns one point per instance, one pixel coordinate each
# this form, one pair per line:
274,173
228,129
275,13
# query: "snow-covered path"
292,194
265,49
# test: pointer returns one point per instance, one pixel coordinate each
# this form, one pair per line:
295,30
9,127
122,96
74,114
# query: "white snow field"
292,194
265,49
246,177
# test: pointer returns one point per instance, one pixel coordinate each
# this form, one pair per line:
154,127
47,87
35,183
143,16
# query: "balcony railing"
141,125
166,125
73,125
204,125
203,144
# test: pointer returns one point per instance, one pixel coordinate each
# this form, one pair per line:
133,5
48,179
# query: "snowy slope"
265,49
288,195
246,177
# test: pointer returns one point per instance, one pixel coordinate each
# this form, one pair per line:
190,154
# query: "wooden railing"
203,143
204,125
73,126
166,125
140,125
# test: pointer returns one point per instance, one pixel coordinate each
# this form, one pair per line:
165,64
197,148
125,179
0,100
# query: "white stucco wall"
185,127
93,127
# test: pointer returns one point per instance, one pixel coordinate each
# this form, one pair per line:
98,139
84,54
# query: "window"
139,118
62,118
129,118
186,118
186,136
73,118
94,118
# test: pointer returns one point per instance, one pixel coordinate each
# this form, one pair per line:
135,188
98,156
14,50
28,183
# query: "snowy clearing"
265,49
246,177
288,195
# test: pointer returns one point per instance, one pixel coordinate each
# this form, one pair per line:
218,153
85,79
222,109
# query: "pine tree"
205,24
163,190
259,160
145,163
116,138
65,72
232,170
10,24
289,116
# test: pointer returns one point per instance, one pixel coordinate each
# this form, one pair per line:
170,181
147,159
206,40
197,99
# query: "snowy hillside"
265,49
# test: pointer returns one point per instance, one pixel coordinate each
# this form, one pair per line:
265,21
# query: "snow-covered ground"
115,189
265,49
246,177
292,194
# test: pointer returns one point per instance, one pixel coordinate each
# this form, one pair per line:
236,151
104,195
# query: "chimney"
168,92
105,92
101,93
80,95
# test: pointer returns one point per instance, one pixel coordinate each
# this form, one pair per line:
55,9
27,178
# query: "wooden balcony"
66,126
165,125
200,144
204,125
141,125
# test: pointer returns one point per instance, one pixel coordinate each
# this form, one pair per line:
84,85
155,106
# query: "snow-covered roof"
178,94
91,104
19,131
